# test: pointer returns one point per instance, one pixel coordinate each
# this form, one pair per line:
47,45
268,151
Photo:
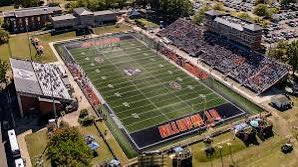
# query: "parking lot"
284,27
239,5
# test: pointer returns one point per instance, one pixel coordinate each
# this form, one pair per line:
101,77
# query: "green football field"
141,87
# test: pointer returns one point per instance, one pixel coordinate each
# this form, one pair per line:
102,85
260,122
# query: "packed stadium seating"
50,82
253,70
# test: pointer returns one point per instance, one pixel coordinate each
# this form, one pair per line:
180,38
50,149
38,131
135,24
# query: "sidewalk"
23,147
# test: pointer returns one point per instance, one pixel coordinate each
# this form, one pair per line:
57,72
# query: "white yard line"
124,87
151,97
138,89
170,91
143,120
164,99
172,104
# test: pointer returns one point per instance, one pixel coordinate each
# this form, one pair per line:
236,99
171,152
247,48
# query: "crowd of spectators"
80,77
250,69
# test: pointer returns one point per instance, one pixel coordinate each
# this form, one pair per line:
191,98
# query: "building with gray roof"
38,84
242,31
83,18
34,18
64,21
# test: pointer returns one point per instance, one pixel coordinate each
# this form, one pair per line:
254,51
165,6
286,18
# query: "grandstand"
145,95
251,69
36,84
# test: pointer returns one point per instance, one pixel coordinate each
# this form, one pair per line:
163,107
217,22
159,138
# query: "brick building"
235,29
38,86
33,18
83,18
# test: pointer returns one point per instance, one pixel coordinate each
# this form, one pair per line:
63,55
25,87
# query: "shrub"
87,120
83,113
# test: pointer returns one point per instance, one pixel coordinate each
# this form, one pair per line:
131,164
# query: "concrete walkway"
23,147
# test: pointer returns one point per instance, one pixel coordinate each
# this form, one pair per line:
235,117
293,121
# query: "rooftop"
104,12
32,11
82,11
213,13
63,17
234,22
38,79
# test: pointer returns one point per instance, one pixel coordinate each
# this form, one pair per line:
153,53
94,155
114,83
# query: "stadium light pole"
205,101
204,98
53,99
220,153
231,153
28,40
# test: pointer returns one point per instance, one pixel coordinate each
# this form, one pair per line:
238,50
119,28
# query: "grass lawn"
113,143
111,29
147,23
222,140
36,144
6,8
103,152
267,153
20,45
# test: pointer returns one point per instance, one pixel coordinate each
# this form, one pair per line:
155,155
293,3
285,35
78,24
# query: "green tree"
3,71
176,8
292,53
27,3
262,22
6,2
287,2
279,52
261,10
244,15
67,147
200,15
4,36
286,52
218,6
260,2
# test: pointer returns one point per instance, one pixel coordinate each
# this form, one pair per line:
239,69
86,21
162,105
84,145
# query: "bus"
14,146
19,162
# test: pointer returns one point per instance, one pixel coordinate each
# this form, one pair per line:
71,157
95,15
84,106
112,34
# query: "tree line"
286,52
170,8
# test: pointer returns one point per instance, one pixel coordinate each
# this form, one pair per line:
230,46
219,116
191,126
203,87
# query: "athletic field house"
148,94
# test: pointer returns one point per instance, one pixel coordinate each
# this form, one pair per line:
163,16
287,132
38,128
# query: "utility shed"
281,102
